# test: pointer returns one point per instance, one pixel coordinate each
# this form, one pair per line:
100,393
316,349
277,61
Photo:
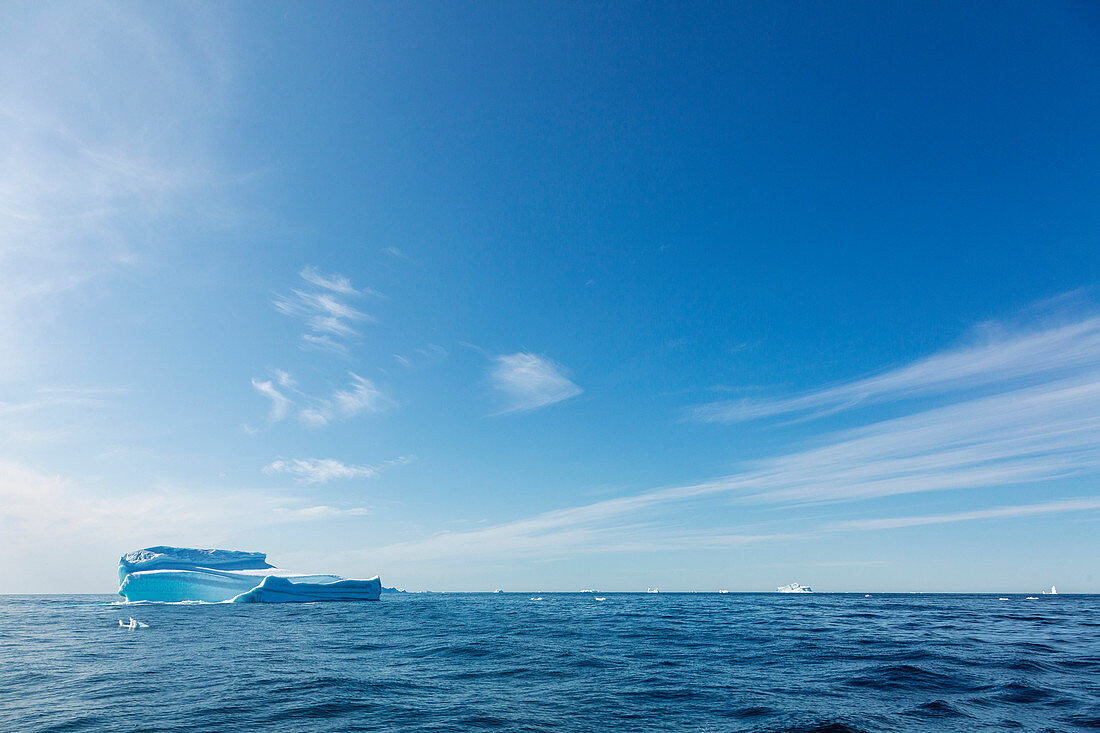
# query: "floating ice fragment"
182,574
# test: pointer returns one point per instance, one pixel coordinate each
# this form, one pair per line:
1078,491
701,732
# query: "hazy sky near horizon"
554,296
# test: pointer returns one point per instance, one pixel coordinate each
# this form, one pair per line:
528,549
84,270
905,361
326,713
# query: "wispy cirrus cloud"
1011,435
323,470
280,403
44,398
85,177
1002,361
45,415
39,504
421,357
526,381
334,282
361,396
324,308
1064,506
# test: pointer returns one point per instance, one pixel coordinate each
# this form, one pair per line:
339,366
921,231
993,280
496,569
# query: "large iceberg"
175,574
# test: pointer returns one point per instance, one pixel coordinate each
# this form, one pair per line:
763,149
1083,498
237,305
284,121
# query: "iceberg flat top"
182,558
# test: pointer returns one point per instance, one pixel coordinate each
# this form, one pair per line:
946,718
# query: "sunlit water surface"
645,662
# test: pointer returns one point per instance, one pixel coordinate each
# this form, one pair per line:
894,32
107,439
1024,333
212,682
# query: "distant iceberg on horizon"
180,574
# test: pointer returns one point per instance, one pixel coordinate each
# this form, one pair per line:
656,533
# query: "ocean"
567,662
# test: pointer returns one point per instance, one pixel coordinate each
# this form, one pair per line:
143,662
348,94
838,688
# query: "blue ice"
179,574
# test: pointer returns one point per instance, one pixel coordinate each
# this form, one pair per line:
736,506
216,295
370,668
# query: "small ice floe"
535,598
652,590
723,591
600,598
1002,599
133,623
866,595
1032,598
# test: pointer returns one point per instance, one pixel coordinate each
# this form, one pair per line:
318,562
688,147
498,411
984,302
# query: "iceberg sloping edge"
274,589
178,574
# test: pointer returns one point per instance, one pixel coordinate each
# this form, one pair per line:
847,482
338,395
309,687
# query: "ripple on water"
635,663
909,677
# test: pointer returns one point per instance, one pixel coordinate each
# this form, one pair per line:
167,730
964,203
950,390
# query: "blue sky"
545,296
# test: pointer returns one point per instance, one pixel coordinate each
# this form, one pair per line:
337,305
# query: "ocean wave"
467,662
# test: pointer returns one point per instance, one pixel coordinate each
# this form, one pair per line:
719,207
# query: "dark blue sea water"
567,662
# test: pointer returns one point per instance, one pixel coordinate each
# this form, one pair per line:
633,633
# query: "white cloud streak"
50,415
105,121
335,283
422,357
1075,506
1046,431
280,403
41,505
318,470
46,398
361,396
526,381
324,310
1022,358
323,470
